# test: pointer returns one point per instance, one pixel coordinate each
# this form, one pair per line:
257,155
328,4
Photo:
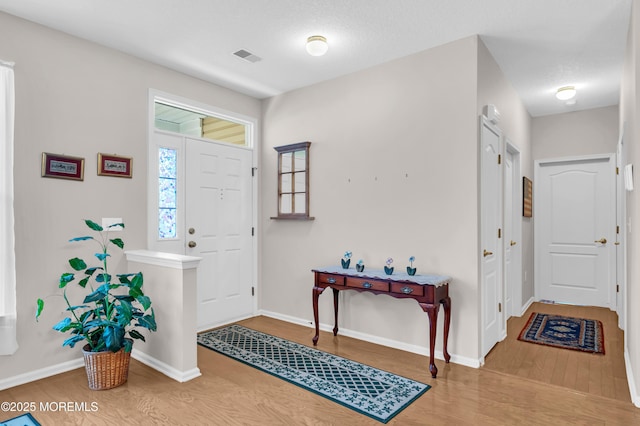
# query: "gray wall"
588,132
77,98
630,126
515,123
394,171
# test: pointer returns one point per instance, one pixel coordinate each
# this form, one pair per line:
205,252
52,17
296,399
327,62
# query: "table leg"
335,310
432,312
446,303
316,291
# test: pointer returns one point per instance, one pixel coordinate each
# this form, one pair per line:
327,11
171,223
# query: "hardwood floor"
231,393
601,375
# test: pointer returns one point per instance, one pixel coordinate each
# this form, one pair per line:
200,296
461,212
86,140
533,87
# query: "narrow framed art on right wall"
527,197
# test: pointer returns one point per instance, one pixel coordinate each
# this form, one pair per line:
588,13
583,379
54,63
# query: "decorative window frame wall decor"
62,166
293,181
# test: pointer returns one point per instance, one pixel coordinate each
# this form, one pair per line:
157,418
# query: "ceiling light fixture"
565,93
317,45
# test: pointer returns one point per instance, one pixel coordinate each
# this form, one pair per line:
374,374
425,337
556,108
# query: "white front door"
219,229
574,202
490,229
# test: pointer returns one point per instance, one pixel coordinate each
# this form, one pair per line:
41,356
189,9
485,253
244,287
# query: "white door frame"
516,251
152,173
536,213
621,235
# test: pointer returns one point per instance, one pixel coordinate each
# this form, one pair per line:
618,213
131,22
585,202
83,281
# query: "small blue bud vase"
388,270
411,271
359,267
345,263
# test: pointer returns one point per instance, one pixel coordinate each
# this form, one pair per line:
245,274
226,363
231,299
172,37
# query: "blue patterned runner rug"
564,332
25,419
367,390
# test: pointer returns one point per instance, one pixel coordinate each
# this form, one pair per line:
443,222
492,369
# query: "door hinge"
253,231
499,158
617,229
617,288
499,307
617,170
253,291
253,171
499,233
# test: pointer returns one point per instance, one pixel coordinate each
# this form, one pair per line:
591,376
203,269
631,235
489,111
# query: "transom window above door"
194,123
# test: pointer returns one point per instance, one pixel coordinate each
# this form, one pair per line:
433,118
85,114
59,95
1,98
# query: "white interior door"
218,229
512,232
574,203
621,278
509,241
490,229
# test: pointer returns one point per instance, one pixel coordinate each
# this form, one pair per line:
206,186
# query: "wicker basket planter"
109,316
106,370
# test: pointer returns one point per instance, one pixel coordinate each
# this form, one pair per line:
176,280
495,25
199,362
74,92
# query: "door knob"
601,241
192,244
192,231
513,243
487,253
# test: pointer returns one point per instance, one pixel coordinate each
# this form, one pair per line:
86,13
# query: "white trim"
420,350
8,341
164,368
168,260
527,306
41,373
621,219
633,389
573,159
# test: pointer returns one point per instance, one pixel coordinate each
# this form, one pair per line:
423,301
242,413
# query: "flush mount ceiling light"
565,93
317,45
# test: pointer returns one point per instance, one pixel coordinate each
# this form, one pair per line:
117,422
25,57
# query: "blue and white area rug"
564,332
367,390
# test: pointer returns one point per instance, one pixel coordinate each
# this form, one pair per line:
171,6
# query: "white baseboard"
164,368
633,390
469,362
526,306
42,373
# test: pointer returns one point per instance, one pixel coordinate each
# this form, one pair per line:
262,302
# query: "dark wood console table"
428,290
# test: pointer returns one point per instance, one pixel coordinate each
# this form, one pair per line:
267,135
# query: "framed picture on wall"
527,197
114,165
62,166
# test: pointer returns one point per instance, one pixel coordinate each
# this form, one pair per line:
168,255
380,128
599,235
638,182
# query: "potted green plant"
108,318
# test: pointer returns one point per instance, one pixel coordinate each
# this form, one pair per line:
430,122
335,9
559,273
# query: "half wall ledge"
170,282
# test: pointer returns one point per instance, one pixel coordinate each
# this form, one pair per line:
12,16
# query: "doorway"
575,210
512,231
491,250
202,202
218,221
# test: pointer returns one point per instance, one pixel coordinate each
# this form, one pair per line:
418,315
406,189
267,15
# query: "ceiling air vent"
247,56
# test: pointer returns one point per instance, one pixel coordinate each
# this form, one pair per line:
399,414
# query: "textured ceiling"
539,44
